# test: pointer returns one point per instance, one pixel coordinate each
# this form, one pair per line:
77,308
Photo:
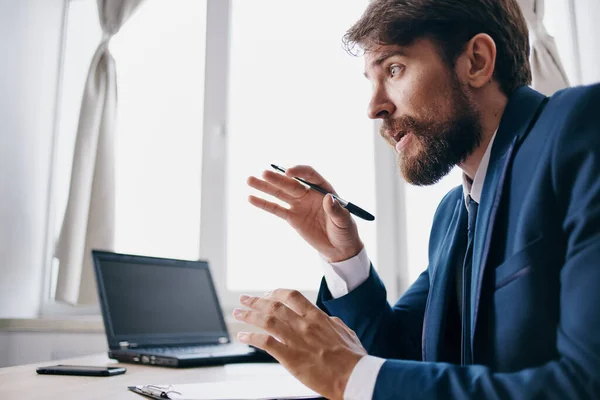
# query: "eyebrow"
385,56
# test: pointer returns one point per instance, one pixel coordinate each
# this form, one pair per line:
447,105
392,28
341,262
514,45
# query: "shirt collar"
475,187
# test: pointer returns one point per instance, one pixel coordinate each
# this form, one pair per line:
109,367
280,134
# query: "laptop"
165,312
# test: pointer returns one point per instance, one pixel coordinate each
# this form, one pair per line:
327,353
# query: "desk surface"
22,382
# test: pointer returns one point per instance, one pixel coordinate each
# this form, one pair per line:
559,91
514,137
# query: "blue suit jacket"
535,293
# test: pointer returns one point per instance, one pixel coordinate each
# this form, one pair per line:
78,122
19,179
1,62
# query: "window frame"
48,305
391,227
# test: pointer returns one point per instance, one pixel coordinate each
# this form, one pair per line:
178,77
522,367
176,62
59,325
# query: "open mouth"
402,140
398,136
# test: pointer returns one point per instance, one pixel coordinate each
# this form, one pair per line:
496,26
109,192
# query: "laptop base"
141,357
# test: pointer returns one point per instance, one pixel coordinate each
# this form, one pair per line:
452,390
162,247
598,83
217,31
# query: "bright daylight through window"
159,55
296,97
314,114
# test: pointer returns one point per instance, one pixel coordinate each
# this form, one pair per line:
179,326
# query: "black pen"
354,209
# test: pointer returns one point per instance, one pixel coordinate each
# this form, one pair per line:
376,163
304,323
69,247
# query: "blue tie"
465,294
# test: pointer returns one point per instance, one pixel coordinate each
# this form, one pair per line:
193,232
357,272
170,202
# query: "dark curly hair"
450,24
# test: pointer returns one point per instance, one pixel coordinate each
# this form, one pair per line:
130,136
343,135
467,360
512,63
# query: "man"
509,305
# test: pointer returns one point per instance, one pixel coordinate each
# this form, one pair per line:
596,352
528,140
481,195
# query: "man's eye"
395,70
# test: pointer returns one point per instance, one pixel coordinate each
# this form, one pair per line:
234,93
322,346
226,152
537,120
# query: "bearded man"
509,305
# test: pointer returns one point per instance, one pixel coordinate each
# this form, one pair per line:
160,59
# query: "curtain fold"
547,69
89,217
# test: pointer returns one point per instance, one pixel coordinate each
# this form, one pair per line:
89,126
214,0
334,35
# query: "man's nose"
380,106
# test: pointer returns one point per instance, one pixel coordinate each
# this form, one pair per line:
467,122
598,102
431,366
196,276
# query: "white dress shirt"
345,276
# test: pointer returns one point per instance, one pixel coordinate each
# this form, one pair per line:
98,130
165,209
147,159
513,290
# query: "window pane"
159,55
296,97
421,204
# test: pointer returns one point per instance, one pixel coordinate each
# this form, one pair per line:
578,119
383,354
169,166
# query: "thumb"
334,210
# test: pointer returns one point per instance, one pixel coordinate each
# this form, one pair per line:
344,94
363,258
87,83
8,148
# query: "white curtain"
89,217
547,69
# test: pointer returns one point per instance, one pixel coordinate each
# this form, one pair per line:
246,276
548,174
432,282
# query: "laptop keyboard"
219,349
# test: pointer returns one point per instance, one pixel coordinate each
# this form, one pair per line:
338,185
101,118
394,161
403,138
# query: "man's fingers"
338,214
289,185
265,342
294,300
270,189
270,307
268,206
309,174
270,323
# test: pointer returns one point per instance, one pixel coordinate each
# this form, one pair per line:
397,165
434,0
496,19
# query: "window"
421,204
188,137
159,54
295,97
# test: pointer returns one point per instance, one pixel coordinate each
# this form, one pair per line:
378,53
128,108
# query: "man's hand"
326,226
319,350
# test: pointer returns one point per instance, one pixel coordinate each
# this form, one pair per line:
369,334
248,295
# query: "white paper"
279,387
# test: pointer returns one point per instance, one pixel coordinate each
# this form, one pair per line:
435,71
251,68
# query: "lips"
398,136
394,137
403,142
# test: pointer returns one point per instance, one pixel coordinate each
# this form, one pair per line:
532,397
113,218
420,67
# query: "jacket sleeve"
575,373
384,331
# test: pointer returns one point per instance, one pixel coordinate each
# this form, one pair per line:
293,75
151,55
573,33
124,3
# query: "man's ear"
477,62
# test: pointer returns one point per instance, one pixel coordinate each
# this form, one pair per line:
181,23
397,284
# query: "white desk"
22,382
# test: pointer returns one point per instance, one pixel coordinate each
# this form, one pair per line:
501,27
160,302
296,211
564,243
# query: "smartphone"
81,370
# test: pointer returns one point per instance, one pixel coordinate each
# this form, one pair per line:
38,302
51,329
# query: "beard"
437,144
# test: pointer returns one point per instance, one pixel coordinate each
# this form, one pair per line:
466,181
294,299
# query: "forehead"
422,50
376,55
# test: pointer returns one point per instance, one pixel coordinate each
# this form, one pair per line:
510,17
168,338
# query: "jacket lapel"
520,114
442,283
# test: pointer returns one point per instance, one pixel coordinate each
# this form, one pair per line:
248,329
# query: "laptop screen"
149,297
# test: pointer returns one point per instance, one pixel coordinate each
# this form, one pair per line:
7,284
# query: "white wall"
17,348
29,44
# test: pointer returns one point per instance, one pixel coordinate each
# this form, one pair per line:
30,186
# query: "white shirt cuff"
345,276
361,383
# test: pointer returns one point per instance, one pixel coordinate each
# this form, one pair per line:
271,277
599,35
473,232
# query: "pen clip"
343,202
162,392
